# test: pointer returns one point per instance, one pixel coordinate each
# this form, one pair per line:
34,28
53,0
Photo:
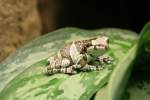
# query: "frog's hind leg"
105,59
51,71
68,70
91,68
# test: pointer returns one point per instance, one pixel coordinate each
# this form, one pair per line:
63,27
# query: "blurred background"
23,20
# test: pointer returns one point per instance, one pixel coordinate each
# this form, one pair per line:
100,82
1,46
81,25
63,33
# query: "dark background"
93,14
23,20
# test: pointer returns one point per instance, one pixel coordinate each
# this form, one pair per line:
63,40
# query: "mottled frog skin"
73,57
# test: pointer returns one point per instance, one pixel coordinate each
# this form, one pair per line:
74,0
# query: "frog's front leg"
68,70
91,68
105,59
82,60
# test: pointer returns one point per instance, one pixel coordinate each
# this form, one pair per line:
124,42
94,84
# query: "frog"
74,57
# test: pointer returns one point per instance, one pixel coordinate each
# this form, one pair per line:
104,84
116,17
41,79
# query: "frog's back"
78,46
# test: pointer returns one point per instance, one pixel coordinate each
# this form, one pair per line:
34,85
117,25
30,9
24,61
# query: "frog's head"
102,42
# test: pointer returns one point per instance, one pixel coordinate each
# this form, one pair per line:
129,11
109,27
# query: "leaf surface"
137,58
21,76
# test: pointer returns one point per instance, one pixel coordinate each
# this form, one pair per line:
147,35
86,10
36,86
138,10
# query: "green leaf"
137,56
21,76
144,47
120,76
102,93
138,87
